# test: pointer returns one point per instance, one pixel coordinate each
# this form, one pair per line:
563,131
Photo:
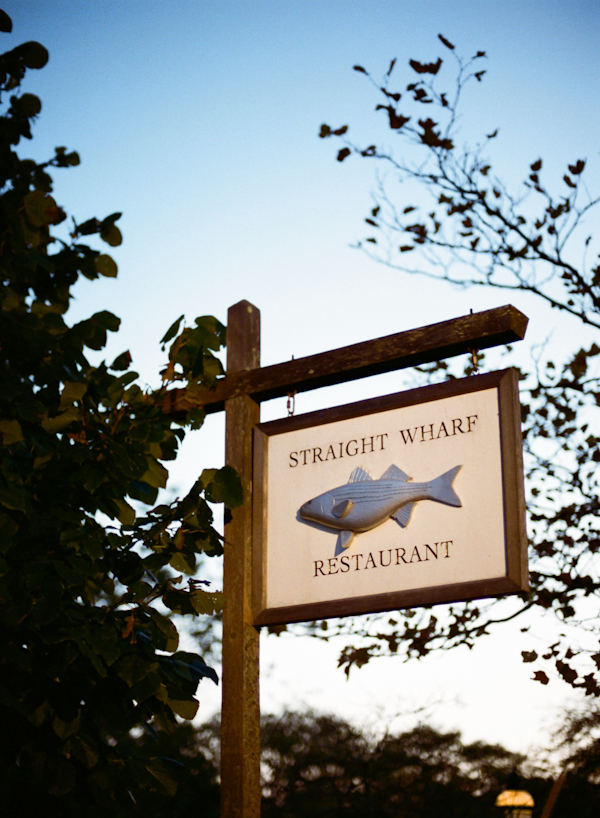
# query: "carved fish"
364,503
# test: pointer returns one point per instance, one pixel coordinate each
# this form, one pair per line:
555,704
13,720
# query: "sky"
199,122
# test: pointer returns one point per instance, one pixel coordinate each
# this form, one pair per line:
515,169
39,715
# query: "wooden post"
240,716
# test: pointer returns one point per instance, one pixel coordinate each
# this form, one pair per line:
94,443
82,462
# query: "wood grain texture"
511,442
394,601
435,342
240,720
260,510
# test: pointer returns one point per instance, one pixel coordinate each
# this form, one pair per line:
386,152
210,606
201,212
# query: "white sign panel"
409,499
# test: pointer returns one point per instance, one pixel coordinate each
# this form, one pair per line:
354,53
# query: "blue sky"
199,121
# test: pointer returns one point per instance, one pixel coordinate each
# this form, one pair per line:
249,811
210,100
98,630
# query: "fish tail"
441,488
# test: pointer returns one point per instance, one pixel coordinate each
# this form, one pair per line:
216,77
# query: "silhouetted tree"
452,218
321,765
88,582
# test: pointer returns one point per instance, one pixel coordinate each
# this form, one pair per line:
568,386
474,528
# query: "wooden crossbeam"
480,330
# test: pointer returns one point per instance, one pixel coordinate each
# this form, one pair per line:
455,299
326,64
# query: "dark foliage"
88,583
452,218
321,766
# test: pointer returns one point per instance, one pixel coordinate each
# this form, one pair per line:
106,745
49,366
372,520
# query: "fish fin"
345,539
402,516
441,488
342,508
359,475
394,473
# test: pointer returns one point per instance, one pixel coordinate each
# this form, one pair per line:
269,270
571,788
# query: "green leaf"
179,601
133,668
172,331
72,391
40,208
140,490
167,630
208,603
146,687
214,331
180,564
107,320
157,769
91,478
90,225
111,235
13,497
122,361
185,708
212,368
126,512
85,752
192,667
95,660
60,422
207,476
226,487
11,432
156,475
64,729
106,266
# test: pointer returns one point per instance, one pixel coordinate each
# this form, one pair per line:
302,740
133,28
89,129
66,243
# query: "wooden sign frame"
515,578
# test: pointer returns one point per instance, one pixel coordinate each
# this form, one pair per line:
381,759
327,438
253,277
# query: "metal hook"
475,360
291,403
474,353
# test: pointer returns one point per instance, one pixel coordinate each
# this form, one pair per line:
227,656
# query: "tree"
466,227
188,751
89,581
578,737
321,765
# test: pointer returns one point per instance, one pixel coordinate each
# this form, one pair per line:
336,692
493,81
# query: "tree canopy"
319,764
92,570
454,219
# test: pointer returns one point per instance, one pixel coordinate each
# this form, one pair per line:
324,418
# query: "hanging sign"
409,499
